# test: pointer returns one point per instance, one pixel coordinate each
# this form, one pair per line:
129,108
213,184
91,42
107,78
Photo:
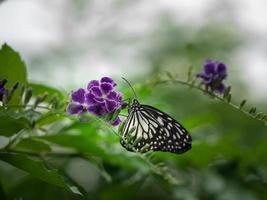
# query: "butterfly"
153,130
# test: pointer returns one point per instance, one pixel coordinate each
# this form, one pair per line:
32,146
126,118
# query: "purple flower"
3,90
116,122
99,99
78,96
213,76
75,108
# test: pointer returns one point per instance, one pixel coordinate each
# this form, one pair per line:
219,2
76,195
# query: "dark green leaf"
252,110
13,69
33,145
242,103
38,169
39,99
229,98
227,92
48,118
99,166
259,115
10,126
82,143
28,96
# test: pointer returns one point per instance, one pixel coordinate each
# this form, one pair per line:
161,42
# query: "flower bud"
40,99
3,82
28,96
14,87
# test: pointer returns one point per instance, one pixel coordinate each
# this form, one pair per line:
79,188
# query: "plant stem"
208,93
14,140
30,106
38,154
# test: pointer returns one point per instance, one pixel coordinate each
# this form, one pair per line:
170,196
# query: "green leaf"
82,143
229,98
49,118
38,169
253,110
33,145
242,104
99,166
95,140
39,89
10,126
226,92
12,68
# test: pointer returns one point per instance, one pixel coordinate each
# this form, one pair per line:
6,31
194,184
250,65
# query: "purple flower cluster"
213,76
99,98
3,90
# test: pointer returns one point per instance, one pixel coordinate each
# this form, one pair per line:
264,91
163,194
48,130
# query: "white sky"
34,27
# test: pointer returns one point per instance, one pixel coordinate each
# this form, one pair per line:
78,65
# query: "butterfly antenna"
130,86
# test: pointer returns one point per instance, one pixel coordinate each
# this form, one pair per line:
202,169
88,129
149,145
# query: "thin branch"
30,106
42,154
189,84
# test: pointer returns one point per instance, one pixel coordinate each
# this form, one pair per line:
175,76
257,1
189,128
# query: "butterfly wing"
156,129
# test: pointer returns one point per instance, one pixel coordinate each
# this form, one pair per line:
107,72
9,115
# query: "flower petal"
106,87
117,96
92,84
209,67
108,80
222,70
95,90
202,75
111,105
116,122
124,104
92,99
3,91
78,96
220,88
208,81
112,95
74,108
98,109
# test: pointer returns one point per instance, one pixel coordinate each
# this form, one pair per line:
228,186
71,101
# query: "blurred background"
66,43
69,39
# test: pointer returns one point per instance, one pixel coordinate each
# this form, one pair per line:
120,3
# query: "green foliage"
12,68
10,126
228,154
40,89
37,168
31,144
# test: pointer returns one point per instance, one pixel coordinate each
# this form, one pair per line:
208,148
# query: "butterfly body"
155,130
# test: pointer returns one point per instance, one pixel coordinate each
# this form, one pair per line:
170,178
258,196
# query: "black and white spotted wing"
157,130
